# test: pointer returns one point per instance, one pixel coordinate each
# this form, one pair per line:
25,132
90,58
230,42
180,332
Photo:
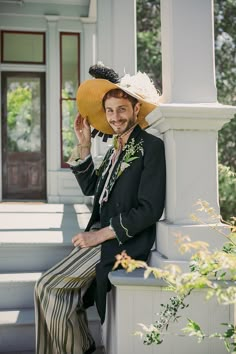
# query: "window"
70,79
23,47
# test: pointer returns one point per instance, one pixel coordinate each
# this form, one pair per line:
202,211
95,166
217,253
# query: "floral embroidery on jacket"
131,152
131,149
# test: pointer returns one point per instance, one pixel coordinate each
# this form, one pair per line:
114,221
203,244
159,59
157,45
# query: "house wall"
102,38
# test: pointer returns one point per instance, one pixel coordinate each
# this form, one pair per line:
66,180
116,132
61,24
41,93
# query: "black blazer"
136,196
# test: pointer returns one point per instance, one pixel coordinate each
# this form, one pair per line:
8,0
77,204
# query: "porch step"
17,292
17,289
29,251
98,351
24,352
33,238
17,329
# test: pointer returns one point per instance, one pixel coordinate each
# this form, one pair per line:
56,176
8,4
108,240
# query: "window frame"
43,62
61,34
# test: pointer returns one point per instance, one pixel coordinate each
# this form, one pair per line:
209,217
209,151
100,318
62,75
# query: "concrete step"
47,217
99,350
35,237
17,290
17,330
27,251
24,352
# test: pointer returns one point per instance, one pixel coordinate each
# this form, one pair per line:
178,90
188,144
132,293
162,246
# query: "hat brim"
89,102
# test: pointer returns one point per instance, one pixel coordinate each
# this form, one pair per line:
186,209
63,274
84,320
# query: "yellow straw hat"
91,92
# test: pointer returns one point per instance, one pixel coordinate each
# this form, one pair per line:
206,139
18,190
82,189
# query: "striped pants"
61,321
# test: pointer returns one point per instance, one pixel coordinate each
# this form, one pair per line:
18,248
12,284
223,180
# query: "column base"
167,234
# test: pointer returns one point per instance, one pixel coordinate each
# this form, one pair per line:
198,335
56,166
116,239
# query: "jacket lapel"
116,171
101,172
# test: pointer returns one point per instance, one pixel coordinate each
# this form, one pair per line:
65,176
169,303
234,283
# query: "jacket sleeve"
86,176
151,196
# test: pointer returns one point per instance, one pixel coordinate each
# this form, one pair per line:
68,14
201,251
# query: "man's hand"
82,130
83,133
93,238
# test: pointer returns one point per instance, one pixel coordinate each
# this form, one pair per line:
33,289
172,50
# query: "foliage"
225,55
149,39
17,99
227,188
23,125
149,60
68,116
208,270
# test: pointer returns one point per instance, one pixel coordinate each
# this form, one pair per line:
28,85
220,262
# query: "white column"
90,46
89,38
53,109
90,58
188,51
117,34
190,120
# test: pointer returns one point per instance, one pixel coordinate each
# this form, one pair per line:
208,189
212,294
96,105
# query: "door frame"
42,77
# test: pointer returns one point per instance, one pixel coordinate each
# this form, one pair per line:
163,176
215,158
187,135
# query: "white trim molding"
204,116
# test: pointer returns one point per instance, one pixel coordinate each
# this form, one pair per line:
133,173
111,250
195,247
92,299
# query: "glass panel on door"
24,156
23,115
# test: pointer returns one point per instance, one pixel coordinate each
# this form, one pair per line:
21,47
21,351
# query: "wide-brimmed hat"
91,92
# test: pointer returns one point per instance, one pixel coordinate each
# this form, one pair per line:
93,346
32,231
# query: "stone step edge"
41,238
19,278
99,350
26,317
17,317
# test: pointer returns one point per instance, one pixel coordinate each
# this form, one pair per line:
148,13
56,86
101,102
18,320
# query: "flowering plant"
214,270
131,149
130,153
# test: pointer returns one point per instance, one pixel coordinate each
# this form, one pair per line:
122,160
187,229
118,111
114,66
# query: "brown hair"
118,93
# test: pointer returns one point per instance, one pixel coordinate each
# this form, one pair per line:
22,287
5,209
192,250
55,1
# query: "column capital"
52,18
208,116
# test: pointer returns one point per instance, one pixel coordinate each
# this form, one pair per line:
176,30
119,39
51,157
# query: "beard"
130,122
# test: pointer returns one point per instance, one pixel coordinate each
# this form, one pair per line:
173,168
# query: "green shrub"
227,192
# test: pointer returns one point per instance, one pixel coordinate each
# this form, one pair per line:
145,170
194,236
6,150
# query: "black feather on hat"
100,71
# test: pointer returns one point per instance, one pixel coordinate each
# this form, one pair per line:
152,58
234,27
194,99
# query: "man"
129,193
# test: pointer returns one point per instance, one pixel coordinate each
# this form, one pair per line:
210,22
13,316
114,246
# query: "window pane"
69,111
23,47
70,65
23,114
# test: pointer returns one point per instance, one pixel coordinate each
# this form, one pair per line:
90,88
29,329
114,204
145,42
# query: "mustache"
118,121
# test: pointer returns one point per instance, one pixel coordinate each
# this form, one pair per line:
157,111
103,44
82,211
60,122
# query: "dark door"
23,136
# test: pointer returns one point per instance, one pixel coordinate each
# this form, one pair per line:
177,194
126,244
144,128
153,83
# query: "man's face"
120,114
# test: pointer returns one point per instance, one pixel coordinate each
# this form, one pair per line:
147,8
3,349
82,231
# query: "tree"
149,39
225,54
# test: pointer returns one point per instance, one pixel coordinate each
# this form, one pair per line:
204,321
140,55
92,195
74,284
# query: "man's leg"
61,327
